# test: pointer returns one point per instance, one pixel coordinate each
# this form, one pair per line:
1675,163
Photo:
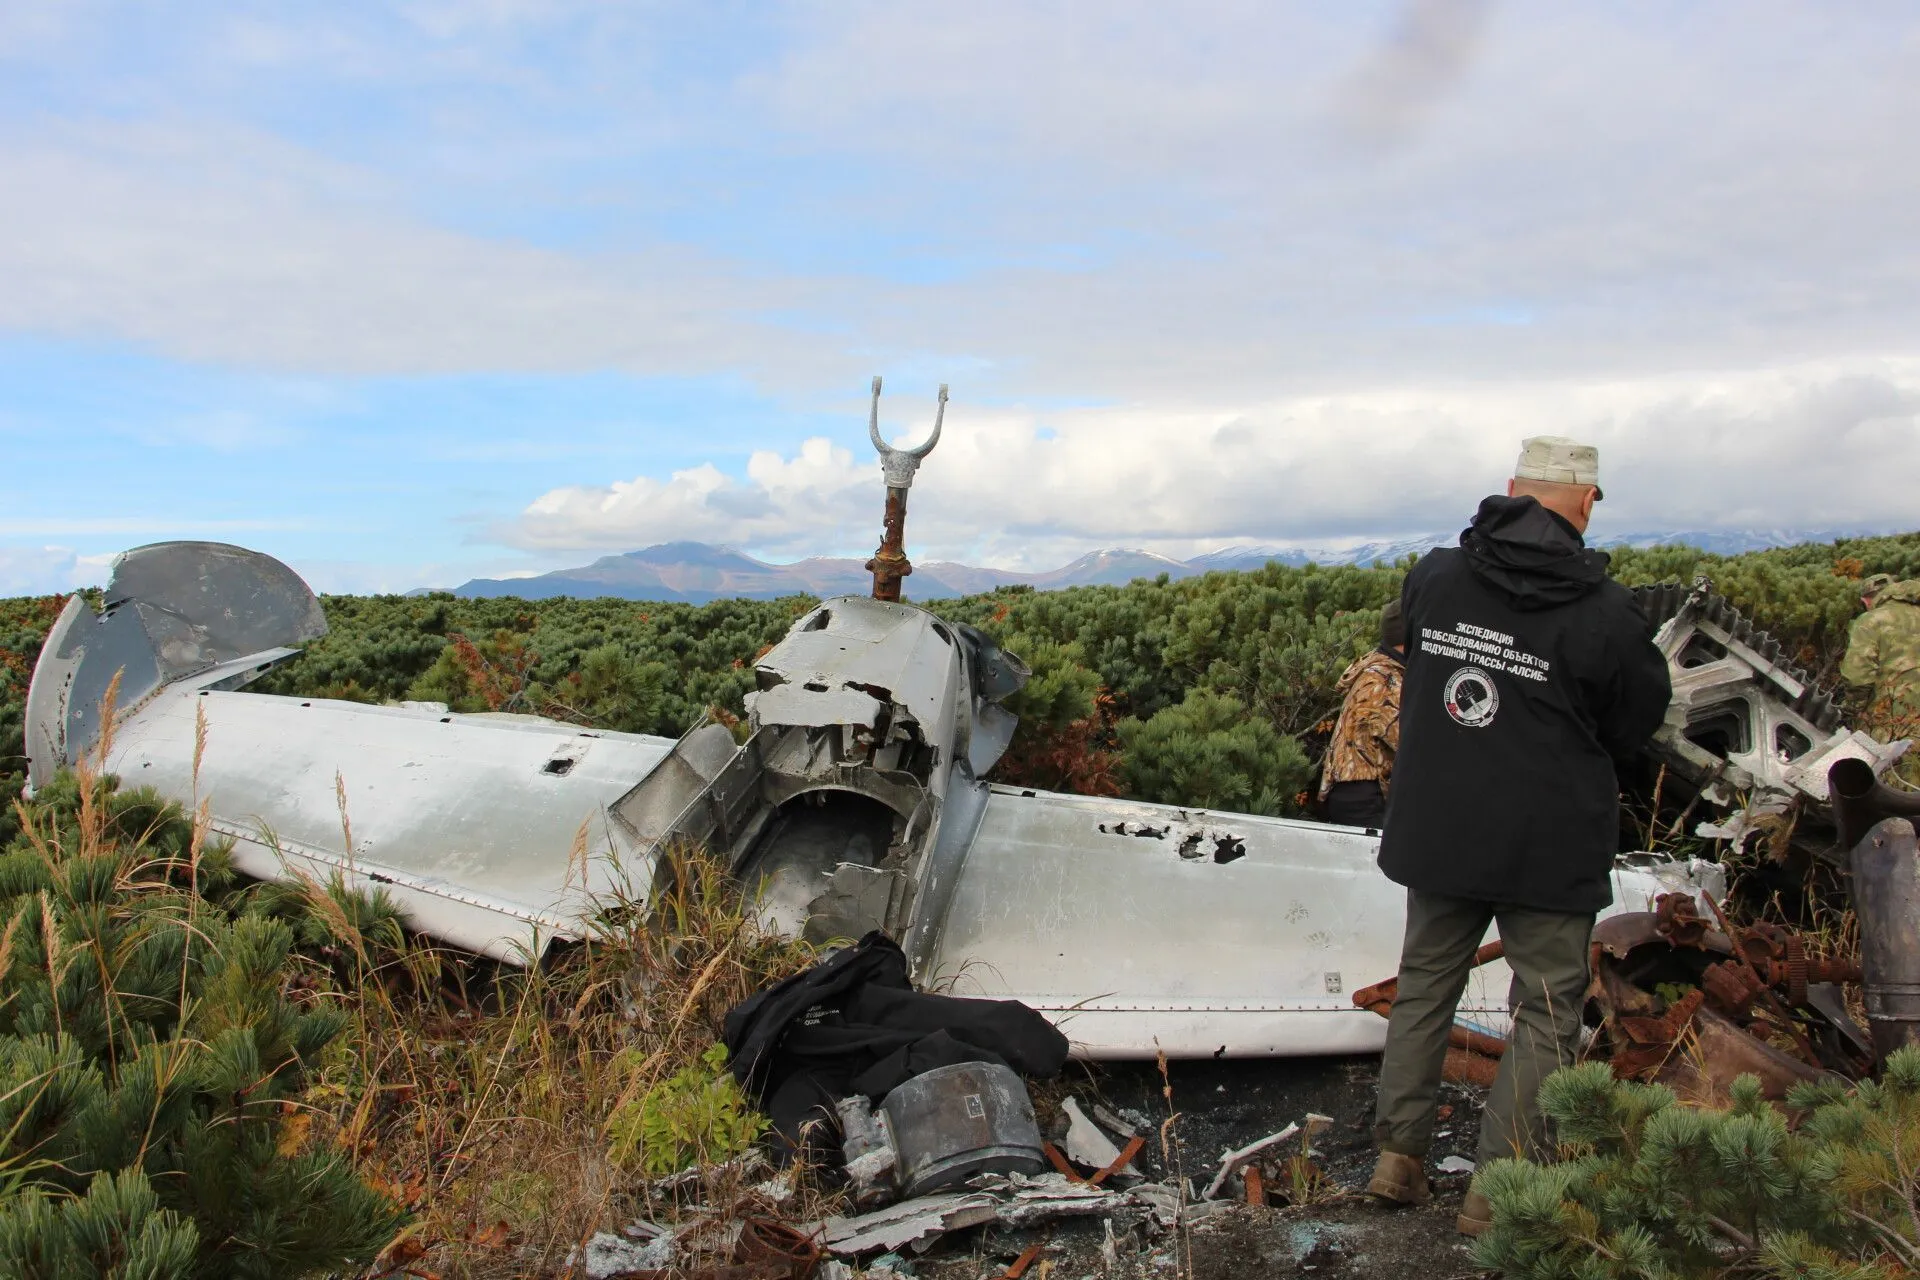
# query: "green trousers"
1547,951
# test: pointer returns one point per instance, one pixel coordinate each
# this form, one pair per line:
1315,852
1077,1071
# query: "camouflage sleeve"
1861,666
1390,732
1376,707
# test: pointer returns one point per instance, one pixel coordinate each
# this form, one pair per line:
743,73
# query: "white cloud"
40,571
783,502
1821,446
1098,204
215,243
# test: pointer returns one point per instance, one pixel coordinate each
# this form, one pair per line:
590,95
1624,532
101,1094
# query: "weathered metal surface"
1714,1052
1140,927
1861,801
170,610
955,1122
1694,1007
206,603
1886,877
890,565
490,833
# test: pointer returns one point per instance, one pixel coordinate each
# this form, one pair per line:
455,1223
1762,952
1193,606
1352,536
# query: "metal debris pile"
1696,1007
1093,1175
1750,736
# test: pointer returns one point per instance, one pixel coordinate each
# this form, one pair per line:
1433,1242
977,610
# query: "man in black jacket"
1529,674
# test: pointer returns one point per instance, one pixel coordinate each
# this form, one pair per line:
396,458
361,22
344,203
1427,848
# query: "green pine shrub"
1210,753
1275,639
1658,1189
150,1057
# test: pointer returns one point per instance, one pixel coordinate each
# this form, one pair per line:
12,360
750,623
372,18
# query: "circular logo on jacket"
1471,697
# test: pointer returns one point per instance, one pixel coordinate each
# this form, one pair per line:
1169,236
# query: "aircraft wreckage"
860,800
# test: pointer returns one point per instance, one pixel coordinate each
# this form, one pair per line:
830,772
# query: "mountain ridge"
699,572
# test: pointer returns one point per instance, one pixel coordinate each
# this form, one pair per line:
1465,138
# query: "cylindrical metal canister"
954,1122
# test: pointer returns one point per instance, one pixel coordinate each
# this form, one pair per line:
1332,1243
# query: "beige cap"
1558,460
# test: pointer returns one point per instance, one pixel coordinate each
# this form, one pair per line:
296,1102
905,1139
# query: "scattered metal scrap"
1693,1007
1010,1200
1748,730
751,1248
1695,1004
1233,1162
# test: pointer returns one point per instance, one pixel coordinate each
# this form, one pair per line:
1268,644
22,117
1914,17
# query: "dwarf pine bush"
149,1056
1208,751
1655,1188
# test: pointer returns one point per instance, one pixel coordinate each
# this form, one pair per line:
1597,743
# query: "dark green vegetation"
151,1055
1660,1189
1113,704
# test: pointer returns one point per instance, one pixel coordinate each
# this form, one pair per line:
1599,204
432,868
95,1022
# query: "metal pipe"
1861,800
890,564
1886,898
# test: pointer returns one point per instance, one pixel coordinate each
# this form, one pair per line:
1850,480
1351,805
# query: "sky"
413,292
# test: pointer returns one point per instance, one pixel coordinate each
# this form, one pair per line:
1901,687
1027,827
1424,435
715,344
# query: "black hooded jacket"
1529,673
854,1024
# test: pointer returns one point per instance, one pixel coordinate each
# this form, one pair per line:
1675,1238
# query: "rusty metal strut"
890,564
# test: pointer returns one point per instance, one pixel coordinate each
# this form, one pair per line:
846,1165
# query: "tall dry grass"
478,1095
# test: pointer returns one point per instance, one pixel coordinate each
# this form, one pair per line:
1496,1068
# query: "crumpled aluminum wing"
1140,928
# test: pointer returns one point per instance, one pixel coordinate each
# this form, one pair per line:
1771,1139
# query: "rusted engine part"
1886,899
1748,730
890,564
938,1130
1684,1005
1472,1056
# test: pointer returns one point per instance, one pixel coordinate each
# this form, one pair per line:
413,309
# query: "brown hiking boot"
1400,1179
1476,1215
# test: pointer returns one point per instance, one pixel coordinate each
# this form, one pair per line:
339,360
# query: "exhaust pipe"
1878,823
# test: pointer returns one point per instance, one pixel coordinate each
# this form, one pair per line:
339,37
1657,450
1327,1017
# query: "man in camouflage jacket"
1883,656
1359,766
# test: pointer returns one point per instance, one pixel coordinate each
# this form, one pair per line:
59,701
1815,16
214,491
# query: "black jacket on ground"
853,1024
1529,673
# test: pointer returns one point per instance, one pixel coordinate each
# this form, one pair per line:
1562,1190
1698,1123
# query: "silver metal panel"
172,609
468,820
204,603
1088,910
894,652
